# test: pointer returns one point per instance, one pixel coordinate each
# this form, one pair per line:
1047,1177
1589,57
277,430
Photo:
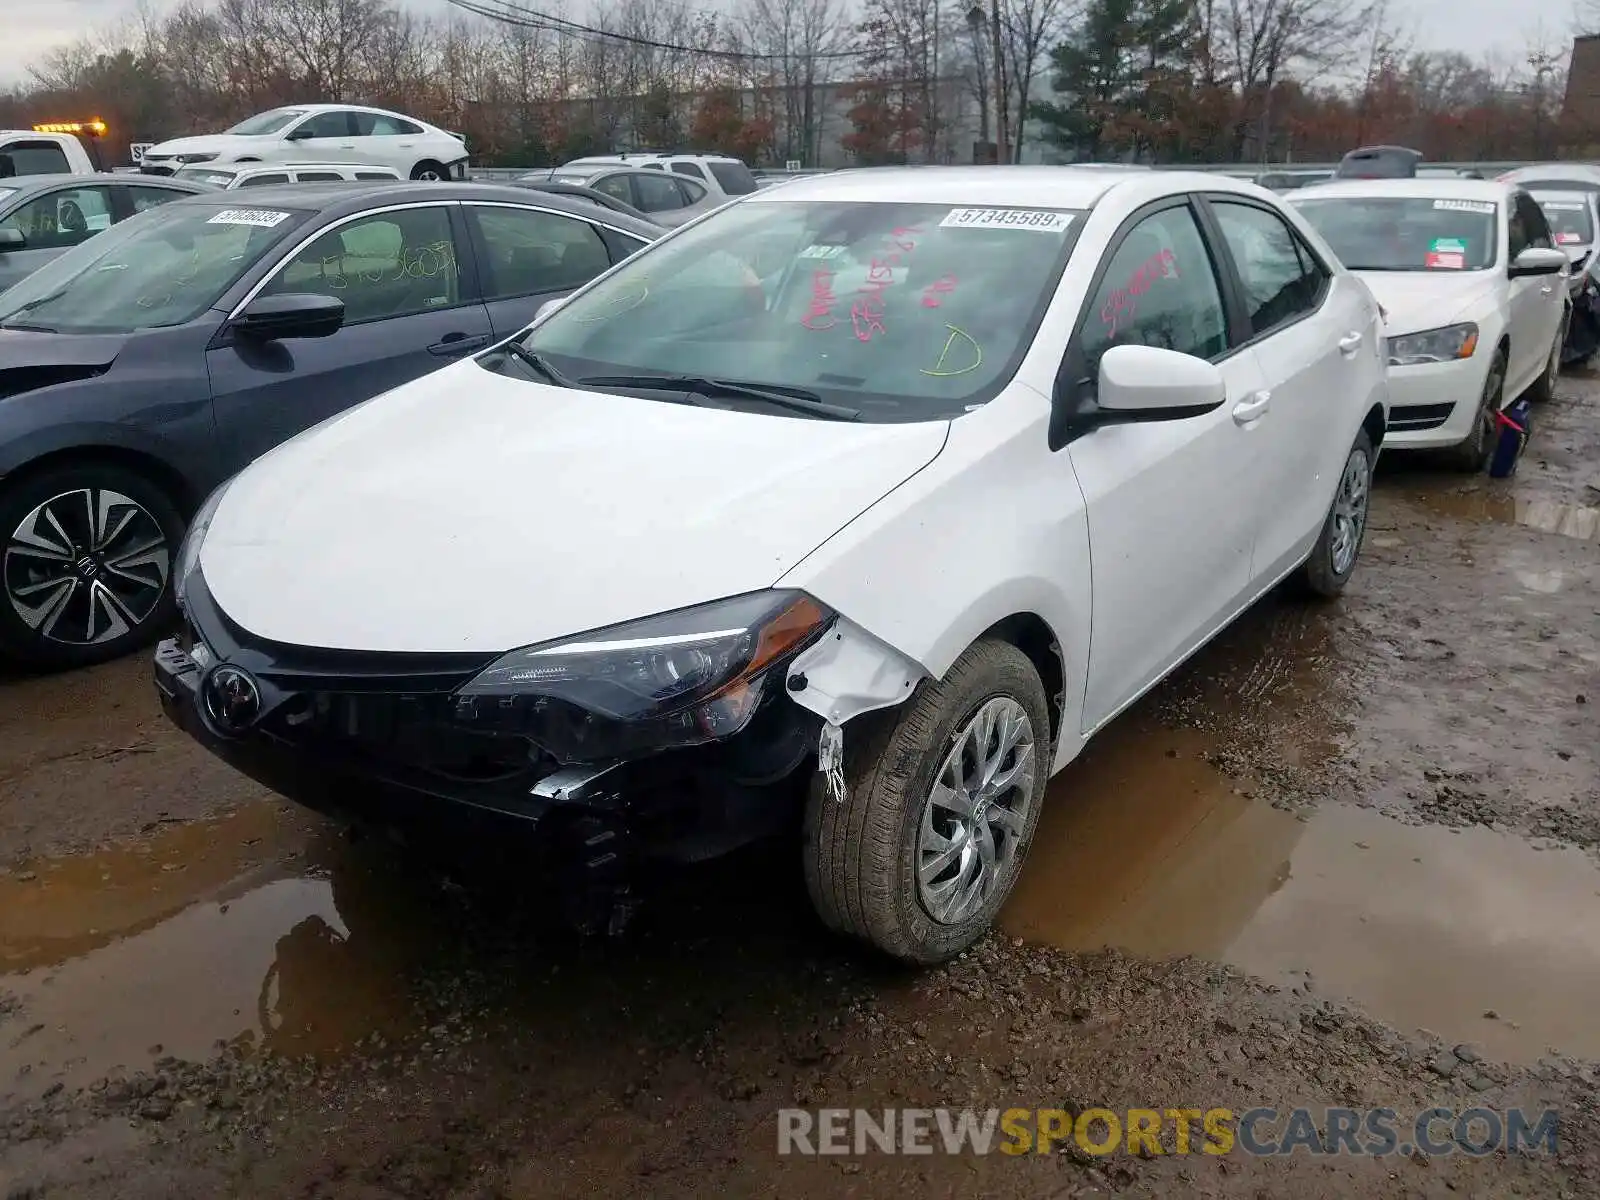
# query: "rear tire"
1472,454
942,797
1338,549
86,557
427,169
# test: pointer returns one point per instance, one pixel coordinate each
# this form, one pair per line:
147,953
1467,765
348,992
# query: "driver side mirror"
1537,260
1136,384
12,239
290,315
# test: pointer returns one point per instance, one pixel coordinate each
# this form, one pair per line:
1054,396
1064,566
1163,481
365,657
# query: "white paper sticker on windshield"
1038,219
262,218
1477,206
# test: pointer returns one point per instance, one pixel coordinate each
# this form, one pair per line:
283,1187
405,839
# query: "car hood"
473,512
1418,300
23,349
218,143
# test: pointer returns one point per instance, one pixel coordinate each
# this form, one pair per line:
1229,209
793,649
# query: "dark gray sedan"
43,216
144,367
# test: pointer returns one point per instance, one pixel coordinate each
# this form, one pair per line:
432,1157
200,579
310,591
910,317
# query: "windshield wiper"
794,399
536,362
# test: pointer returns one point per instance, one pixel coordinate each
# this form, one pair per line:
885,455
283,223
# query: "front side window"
162,267
531,252
387,265
1159,289
1281,280
1409,233
1568,215
1533,220
268,122
335,124
152,197
905,311
615,186
657,193
63,218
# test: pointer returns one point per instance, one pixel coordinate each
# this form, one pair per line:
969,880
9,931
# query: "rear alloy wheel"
85,566
429,170
1333,558
941,799
1472,454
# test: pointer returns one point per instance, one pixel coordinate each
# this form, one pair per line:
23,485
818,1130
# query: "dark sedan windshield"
163,267
904,311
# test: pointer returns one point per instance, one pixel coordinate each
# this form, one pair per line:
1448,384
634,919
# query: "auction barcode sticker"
261,217
1477,206
1038,219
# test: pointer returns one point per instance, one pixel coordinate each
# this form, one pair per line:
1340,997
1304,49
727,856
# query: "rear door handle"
1349,344
1252,408
458,343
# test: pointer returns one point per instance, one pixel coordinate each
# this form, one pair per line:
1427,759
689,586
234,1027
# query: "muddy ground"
1348,856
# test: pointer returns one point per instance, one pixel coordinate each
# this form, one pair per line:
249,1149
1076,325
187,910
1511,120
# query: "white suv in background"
724,177
266,174
326,132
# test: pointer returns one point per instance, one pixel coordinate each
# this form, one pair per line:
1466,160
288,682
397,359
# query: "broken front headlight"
679,679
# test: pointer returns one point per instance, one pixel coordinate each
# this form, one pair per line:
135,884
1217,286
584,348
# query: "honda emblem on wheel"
232,699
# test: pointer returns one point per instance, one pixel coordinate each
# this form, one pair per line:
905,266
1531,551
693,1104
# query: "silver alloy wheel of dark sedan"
86,567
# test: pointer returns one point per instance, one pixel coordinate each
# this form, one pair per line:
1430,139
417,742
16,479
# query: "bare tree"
1028,28
796,38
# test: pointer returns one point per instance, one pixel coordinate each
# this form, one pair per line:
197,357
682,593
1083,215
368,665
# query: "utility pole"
1001,140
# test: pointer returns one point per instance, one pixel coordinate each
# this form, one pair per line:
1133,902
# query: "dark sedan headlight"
680,679
1433,345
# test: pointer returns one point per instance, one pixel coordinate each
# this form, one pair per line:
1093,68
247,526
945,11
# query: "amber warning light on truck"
94,128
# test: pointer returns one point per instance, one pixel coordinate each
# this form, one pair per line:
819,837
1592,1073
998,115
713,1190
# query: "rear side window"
376,175
1281,280
33,158
693,193
381,125
529,251
152,197
658,193
734,178
318,176
264,180
689,168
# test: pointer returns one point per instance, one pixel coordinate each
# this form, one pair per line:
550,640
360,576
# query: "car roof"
43,183
1011,187
322,107
1542,172
1423,189
347,198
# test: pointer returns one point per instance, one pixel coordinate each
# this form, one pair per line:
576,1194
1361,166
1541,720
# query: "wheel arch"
1031,634
1375,425
172,482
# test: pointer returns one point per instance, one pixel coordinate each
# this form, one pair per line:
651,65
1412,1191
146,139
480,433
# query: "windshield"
1568,214
904,311
207,175
165,266
1406,233
267,122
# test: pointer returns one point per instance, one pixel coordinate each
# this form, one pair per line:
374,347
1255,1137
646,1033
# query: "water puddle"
1500,508
206,933
1145,846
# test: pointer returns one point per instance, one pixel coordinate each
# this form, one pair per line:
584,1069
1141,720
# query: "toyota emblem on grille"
232,699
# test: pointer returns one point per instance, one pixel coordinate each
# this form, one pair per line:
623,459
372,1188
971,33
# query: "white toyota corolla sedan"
1474,291
850,511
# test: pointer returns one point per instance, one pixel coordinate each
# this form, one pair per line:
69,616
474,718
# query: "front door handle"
1349,344
458,343
1252,408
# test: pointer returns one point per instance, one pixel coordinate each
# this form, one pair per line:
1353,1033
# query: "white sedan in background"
324,132
858,536
1475,297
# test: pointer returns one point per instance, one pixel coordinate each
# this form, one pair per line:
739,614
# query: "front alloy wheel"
941,798
85,567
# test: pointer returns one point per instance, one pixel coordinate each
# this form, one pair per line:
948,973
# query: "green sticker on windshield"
1448,246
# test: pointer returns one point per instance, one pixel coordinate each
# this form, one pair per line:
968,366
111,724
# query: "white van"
238,175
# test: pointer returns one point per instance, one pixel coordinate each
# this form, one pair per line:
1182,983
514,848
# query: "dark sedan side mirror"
290,315
12,239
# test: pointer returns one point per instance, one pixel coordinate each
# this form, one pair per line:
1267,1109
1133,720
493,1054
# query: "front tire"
1472,454
1333,558
86,556
942,797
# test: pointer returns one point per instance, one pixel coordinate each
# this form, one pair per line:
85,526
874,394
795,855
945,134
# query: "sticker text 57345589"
1039,220
261,217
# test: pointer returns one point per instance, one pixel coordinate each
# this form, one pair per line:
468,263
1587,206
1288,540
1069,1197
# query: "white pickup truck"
28,152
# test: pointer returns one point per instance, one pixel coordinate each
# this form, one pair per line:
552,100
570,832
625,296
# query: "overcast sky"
33,27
